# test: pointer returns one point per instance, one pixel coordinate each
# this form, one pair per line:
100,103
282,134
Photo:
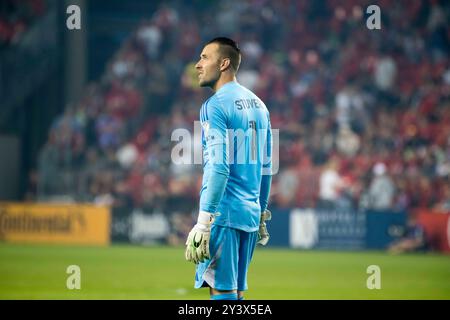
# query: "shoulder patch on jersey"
205,125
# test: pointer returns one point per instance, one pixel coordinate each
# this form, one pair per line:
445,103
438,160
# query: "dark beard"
208,84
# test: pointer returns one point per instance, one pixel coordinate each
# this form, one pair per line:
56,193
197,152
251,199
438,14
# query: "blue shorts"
231,252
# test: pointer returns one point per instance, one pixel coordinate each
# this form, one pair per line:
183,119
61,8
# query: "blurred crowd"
363,115
15,18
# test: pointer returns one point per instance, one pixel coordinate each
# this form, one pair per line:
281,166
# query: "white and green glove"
263,234
197,243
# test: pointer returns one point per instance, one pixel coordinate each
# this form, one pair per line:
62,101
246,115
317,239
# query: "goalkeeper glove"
197,243
263,235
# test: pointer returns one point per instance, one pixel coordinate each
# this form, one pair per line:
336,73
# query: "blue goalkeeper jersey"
237,147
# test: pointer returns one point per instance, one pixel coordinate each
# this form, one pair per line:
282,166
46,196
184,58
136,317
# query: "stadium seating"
339,92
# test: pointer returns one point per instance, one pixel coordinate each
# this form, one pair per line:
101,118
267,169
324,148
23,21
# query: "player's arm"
218,168
218,172
266,182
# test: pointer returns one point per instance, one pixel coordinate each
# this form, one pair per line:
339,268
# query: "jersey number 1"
252,126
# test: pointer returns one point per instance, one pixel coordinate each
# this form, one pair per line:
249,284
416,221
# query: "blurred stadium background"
86,118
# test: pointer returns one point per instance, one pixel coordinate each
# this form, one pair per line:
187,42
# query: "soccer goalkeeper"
237,146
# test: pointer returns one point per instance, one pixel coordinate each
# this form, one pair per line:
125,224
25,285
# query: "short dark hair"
228,48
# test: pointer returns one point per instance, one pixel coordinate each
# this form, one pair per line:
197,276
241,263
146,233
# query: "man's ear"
225,64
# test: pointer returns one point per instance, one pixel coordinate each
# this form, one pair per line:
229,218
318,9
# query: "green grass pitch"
159,272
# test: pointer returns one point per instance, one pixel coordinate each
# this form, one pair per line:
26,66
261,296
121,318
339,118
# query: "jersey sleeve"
266,179
217,170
